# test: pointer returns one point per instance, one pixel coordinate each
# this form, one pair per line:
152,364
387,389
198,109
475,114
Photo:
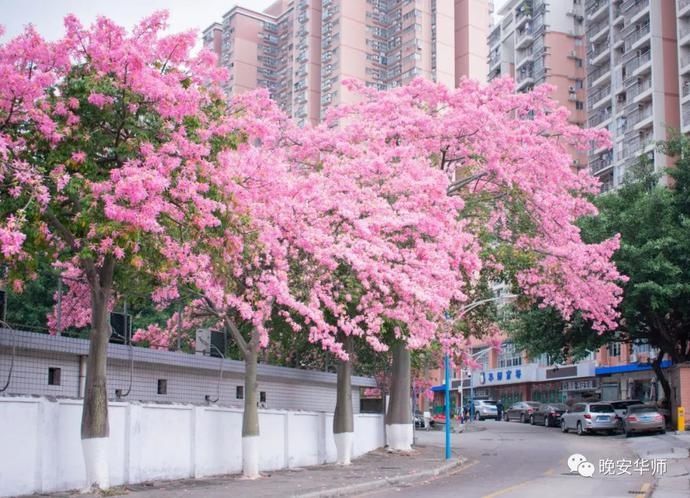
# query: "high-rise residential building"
632,81
683,24
301,50
542,41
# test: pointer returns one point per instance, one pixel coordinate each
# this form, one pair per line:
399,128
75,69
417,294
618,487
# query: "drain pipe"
81,386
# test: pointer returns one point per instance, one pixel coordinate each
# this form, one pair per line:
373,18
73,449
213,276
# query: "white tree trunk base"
399,437
250,457
343,444
95,451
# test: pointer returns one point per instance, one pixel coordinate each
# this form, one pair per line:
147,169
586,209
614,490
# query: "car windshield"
488,402
559,407
600,408
642,409
533,404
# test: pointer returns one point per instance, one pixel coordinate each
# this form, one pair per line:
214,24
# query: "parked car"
643,418
548,414
590,417
522,411
621,408
485,408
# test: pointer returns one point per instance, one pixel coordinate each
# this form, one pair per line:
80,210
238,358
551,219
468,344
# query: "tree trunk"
250,418
656,365
343,419
399,414
95,430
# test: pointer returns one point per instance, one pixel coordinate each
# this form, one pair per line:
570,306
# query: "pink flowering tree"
106,137
507,160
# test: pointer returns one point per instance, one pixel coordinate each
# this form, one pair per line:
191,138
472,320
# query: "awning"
630,367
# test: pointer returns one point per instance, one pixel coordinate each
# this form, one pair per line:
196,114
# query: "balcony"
636,36
595,30
683,32
632,8
636,145
598,95
600,164
634,64
639,88
639,116
596,9
523,13
600,117
597,50
495,36
685,89
685,116
683,8
597,74
524,56
524,37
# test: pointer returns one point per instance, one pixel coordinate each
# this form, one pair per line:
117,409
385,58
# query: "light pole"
446,360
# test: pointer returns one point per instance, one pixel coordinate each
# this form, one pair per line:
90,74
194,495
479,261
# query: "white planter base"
250,457
343,444
95,451
399,437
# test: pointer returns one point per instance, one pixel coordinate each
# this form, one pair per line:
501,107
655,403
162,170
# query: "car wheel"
522,418
546,422
628,433
611,432
564,428
662,431
580,430
531,420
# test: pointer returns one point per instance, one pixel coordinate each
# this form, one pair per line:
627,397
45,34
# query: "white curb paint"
343,443
250,456
399,437
95,452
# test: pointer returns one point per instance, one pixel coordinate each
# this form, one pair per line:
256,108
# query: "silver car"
485,408
590,417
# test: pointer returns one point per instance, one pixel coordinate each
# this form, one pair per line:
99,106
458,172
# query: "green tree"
653,221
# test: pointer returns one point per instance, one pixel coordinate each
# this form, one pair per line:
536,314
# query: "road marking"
643,490
508,489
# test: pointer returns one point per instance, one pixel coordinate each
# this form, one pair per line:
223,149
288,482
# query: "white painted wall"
40,447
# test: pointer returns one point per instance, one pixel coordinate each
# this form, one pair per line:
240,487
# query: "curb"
364,487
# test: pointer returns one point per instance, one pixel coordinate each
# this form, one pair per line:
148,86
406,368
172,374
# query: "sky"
47,15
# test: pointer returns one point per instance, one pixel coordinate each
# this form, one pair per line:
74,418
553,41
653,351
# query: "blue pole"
447,392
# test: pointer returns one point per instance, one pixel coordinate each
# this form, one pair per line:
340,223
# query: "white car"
590,417
485,408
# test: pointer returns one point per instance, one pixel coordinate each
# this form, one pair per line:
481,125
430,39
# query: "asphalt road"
514,460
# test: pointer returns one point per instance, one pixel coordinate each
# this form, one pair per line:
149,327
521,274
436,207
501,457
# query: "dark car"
521,411
548,415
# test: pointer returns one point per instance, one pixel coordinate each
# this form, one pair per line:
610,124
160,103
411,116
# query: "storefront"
631,381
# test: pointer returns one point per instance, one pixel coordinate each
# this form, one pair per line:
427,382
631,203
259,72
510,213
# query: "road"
513,460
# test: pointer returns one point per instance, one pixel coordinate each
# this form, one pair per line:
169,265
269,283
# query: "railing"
598,73
631,8
599,117
592,7
635,145
638,88
630,40
524,54
525,75
684,29
685,59
597,27
599,164
598,50
685,88
525,33
682,4
596,95
638,61
686,114
639,115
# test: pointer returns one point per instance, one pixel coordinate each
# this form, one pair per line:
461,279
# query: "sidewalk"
375,470
675,448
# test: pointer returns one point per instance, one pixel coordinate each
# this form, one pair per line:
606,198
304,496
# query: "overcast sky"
47,15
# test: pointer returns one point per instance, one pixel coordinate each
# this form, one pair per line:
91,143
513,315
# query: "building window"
614,348
162,386
53,376
262,396
579,105
509,357
239,392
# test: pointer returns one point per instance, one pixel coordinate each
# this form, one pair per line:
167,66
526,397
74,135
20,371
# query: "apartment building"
632,81
542,41
301,50
683,34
